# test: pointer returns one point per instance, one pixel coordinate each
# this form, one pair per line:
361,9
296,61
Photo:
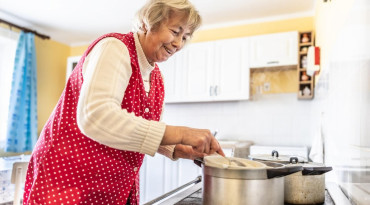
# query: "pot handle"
199,161
281,172
275,153
316,170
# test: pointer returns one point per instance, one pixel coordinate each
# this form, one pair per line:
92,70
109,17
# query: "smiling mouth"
168,50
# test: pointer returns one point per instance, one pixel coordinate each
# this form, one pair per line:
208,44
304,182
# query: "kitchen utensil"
261,184
305,187
230,160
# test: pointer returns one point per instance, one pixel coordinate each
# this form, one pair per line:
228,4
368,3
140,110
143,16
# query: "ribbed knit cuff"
167,150
153,132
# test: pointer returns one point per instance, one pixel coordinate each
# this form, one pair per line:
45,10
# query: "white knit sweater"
106,73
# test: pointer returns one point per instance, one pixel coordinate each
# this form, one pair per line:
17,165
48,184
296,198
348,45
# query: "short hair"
154,12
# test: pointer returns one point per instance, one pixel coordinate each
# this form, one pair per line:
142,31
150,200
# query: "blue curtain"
22,117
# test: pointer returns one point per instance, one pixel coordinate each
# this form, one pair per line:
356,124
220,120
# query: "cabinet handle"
210,90
273,62
216,90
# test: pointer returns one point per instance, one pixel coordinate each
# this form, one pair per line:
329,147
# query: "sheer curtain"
8,45
22,116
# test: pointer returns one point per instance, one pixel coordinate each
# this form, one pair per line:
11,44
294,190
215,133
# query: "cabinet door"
199,72
270,50
232,76
173,72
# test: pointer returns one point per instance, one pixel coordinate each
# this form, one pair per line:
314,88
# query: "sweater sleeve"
106,73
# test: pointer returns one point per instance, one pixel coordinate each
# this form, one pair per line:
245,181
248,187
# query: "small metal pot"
245,186
304,187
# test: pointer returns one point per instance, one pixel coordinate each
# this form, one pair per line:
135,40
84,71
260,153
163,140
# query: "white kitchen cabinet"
208,71
200,71
279,49
159,175
231,79
173,74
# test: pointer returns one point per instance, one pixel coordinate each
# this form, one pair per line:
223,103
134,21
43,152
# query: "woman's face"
161,43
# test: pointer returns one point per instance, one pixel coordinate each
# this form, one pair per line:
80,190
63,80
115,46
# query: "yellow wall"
51,74
297,24
78,50
329,18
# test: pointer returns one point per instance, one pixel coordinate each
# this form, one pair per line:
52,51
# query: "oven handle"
195,181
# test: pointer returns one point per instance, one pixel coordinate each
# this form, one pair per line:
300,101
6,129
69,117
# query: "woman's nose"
177,42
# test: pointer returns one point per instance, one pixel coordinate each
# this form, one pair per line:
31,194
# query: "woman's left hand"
186,152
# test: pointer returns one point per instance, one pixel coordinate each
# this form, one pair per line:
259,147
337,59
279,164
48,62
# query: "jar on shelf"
304,61
304,76
304,49
305,38
306,91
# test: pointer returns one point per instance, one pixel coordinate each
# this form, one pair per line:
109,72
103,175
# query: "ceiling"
78,22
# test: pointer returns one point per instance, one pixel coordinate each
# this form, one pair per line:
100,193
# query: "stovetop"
196,199
193,196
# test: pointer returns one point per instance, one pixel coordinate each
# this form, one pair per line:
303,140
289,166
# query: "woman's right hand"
201,140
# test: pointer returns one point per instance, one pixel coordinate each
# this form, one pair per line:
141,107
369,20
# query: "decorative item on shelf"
306,91
304,62
305,38
313,60
304,49
304,76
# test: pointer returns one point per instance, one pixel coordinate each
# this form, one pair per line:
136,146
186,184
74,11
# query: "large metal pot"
304,187
245,185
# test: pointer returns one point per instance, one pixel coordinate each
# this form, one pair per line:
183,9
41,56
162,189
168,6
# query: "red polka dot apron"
67,167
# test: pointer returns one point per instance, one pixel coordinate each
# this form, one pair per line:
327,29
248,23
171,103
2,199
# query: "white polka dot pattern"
67,167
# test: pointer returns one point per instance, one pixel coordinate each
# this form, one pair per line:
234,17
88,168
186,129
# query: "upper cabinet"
219,70
271,50
208,71
231,76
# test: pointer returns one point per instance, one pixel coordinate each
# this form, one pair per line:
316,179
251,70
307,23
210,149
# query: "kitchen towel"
313,60
317,149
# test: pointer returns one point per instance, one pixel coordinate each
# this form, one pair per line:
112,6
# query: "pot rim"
271,171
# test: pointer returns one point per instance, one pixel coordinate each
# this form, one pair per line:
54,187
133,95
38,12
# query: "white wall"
343,95
274,119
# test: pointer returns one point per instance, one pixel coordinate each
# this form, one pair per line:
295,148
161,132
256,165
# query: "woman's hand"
201,140
186,152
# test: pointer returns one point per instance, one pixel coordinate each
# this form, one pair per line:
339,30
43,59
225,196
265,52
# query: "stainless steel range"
191,194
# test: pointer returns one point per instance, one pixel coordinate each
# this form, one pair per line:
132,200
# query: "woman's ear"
144,29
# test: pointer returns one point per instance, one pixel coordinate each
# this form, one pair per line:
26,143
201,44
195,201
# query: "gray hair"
154,12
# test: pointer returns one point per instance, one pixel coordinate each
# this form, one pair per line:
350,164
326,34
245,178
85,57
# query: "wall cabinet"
270,50
231,77
208,71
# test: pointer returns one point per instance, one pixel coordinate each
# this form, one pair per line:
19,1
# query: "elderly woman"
91,148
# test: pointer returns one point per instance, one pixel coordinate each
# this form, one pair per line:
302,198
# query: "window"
8,45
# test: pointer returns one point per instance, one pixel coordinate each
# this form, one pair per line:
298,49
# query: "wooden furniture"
305,83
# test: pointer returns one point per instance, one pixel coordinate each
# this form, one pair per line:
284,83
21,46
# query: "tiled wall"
274,119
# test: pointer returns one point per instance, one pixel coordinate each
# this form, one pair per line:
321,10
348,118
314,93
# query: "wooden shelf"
302,97
305,44
305,40
305,82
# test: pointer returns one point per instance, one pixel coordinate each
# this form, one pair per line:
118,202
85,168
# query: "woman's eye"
175,32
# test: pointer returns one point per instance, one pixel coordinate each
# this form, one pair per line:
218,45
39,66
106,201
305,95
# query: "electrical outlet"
266,87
